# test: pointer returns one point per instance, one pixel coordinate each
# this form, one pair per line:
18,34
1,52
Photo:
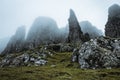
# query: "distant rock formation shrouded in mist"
112,27
3,43
43,31
16,43
87,27
75,33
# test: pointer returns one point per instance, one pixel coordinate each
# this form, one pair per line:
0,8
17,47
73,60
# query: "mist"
3,43
16,42
93,31
43,29
24,12
114,11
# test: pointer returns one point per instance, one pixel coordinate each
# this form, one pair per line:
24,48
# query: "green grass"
58,67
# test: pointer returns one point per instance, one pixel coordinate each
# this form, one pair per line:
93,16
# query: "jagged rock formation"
98,53
112,27
3,43
75,33
28,58
86,27
93,32
43,31
16,43
34,57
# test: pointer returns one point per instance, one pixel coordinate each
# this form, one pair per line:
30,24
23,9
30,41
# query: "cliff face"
3,43
43,31
16,43
75,33
112,27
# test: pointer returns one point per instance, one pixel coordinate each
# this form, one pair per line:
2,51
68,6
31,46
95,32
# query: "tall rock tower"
75,33
112,27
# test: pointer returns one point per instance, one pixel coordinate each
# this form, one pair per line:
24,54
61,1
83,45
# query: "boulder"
75,55
98,53
40,62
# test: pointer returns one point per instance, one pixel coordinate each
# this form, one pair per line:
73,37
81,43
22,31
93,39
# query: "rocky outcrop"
36,57
16,43
61,47
98,53
112,27
75,33
43,31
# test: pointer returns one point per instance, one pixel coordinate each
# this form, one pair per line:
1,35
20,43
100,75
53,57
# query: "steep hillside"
59,67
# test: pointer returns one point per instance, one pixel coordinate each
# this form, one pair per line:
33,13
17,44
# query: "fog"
14,13
114,11
16,41
93,31
3,43
43,29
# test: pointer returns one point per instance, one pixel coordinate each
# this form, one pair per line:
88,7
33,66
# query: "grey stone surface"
99,53
16,43
75,33
112,27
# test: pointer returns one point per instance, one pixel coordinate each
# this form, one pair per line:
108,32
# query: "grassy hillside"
58,67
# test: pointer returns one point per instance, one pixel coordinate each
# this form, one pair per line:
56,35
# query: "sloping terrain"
58,67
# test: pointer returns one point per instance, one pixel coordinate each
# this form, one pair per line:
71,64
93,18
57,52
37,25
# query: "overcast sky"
14,13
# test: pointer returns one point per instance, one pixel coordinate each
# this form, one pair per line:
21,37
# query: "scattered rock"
53,66
75,55
37,58
66,48
40,62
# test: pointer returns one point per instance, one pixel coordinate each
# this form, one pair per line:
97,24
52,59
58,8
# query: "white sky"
14,13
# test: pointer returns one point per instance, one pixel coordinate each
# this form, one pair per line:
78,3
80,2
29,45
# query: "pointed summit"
112,27
75,33
72,15
16,43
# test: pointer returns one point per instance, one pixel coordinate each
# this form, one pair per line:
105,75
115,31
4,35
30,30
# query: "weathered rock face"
98,53
28,58
75,33
86,37
43,31
93,31
16,43
3,43
112,27
61,47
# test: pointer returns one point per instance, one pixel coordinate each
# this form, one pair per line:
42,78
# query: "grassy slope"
59,67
